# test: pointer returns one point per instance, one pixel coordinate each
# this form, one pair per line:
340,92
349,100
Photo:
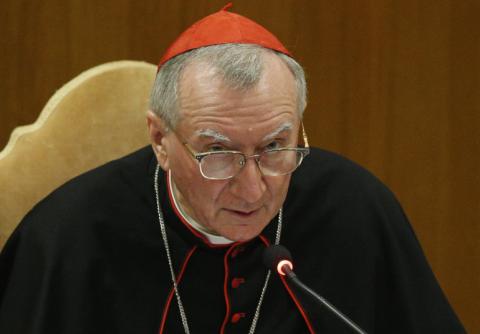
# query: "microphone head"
275,254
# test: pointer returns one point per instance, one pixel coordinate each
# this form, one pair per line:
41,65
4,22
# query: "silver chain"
183,315
181,309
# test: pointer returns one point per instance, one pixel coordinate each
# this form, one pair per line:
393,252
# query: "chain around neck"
181,309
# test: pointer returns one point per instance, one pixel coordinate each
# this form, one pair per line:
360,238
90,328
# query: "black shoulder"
101,183
340,200
354,242
102,198
331,176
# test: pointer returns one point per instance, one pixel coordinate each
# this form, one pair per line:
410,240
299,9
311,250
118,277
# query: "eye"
273,145
215,148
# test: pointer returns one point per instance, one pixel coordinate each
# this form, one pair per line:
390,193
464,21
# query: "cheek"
186,174
203,196
216,193
207,201
278,187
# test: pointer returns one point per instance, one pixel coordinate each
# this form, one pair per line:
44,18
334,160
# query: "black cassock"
89,258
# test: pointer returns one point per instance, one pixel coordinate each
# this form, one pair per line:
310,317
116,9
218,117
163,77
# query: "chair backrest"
96,117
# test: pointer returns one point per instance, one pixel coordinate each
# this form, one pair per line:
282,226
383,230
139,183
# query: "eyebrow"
284,127
210,133
213,134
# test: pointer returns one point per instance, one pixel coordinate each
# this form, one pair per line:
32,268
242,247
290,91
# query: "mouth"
243,214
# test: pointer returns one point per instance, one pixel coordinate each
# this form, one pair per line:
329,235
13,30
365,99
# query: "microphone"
278,258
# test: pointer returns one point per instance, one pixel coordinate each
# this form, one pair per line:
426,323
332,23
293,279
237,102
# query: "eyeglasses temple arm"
192,153
305,139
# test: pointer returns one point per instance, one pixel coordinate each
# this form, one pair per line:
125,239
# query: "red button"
237,281
237,316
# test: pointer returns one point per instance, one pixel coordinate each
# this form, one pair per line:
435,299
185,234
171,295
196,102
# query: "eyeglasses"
223,165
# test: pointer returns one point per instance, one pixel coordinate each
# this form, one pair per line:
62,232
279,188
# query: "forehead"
207,103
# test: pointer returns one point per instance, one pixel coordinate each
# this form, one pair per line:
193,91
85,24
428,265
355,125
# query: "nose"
249,184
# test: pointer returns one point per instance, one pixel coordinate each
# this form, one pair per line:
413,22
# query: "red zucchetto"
220,28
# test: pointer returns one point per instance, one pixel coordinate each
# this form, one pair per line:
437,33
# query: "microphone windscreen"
272,255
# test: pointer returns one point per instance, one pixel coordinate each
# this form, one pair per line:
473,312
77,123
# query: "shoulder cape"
89,258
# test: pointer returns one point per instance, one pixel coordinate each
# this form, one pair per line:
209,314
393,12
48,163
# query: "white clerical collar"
212,238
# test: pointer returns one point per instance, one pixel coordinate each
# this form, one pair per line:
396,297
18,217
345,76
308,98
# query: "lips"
240,213
246,214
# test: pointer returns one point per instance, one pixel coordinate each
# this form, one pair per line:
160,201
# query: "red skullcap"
220,28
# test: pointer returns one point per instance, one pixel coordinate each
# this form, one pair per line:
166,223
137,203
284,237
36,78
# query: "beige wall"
394,85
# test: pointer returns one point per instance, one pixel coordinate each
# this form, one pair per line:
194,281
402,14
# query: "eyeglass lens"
226,165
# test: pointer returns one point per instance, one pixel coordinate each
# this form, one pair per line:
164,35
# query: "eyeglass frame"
199,156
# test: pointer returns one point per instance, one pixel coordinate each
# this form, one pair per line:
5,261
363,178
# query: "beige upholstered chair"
94,118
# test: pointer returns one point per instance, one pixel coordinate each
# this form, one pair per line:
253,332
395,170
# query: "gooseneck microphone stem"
294,279
278,258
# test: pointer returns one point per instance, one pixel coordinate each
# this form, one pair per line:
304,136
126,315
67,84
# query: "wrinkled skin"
241,207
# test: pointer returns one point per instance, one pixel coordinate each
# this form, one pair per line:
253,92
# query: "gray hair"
239,65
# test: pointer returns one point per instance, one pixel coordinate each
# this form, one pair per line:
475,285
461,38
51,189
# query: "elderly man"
171,240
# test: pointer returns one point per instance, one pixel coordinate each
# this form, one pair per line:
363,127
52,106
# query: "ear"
158,132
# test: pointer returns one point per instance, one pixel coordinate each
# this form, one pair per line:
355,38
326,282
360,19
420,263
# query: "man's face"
215,117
